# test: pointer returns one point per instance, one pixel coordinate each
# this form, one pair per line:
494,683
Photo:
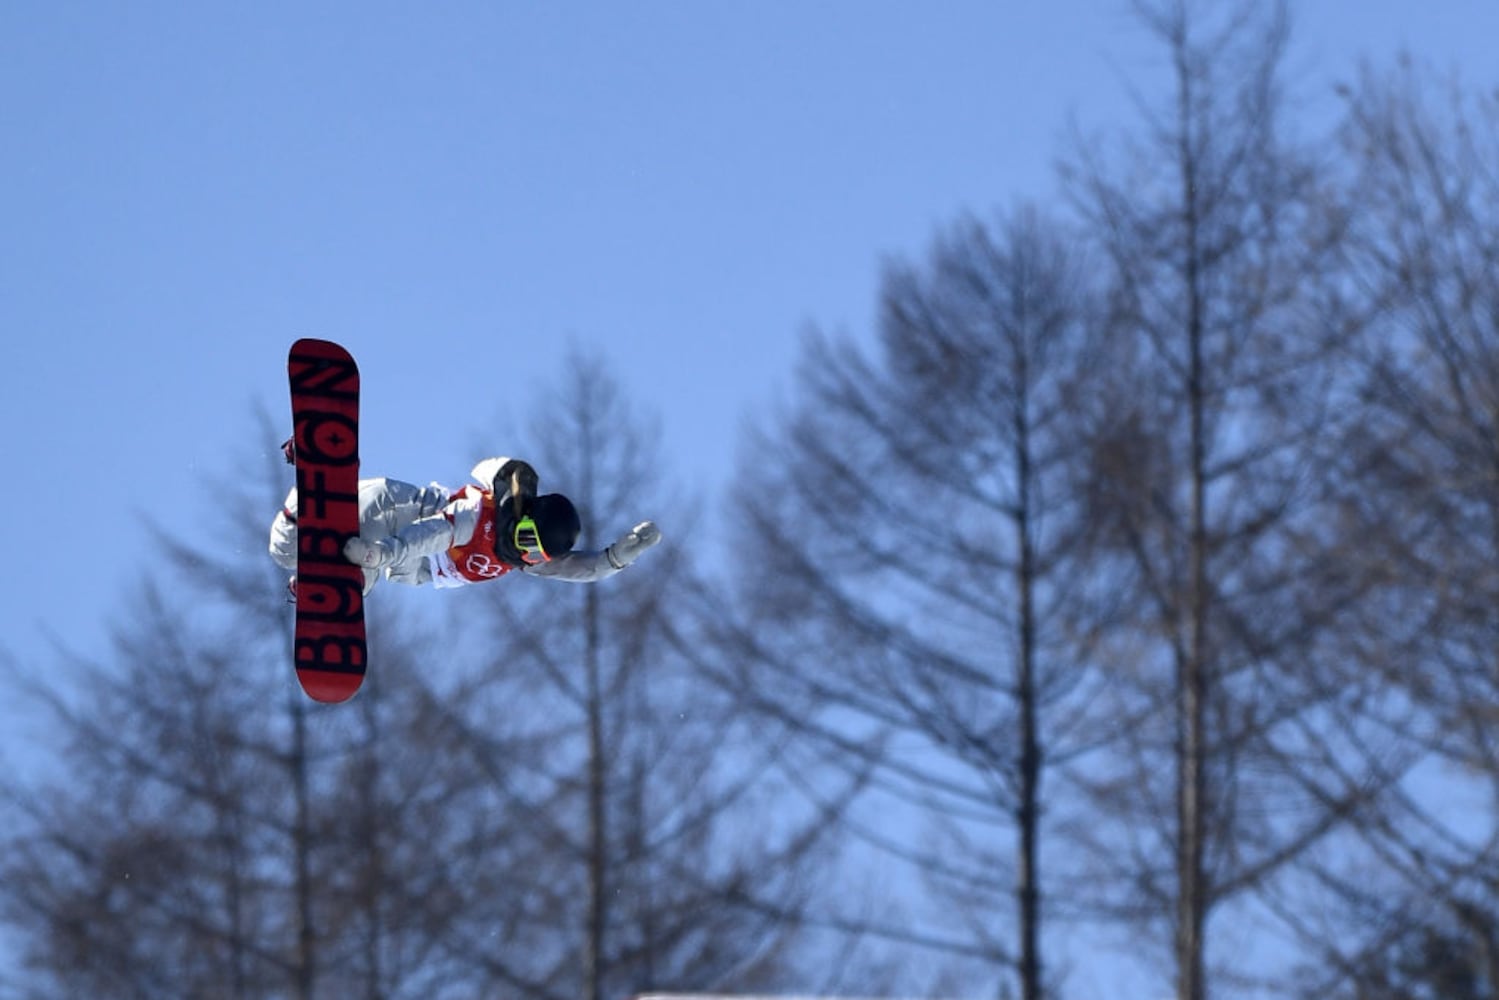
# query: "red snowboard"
329,650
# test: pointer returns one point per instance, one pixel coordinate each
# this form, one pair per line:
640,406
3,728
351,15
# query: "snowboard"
329,650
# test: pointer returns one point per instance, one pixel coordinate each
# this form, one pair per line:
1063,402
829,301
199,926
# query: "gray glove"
632,543
371,555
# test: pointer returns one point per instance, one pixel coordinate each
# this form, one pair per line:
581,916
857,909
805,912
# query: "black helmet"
556,522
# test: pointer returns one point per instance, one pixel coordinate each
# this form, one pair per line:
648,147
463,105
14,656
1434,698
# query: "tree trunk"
302,846
1027,819
1191,899
598,826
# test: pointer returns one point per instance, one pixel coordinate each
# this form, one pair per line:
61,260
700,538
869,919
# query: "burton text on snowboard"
329,649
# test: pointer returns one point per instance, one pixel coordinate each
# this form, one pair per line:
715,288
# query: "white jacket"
423,523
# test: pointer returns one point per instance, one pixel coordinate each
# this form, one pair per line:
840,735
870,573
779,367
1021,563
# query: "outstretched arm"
590,567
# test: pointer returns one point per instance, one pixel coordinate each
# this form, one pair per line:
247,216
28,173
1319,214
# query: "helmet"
556,522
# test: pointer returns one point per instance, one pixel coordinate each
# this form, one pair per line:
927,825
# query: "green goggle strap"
527,538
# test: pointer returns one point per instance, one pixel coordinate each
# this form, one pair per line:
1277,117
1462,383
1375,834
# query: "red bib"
475,560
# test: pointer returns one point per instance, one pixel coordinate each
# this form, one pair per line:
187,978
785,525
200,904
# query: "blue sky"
460,191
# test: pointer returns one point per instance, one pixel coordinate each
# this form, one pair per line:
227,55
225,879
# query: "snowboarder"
427,534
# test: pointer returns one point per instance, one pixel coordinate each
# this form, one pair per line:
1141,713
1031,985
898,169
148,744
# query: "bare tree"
905,550
1250,749
144,868
1419,504
561,819
640,815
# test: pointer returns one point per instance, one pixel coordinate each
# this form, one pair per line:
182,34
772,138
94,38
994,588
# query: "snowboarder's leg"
385,507
284,544
284,534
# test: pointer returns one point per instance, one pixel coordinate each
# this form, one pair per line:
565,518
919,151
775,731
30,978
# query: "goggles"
527,539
